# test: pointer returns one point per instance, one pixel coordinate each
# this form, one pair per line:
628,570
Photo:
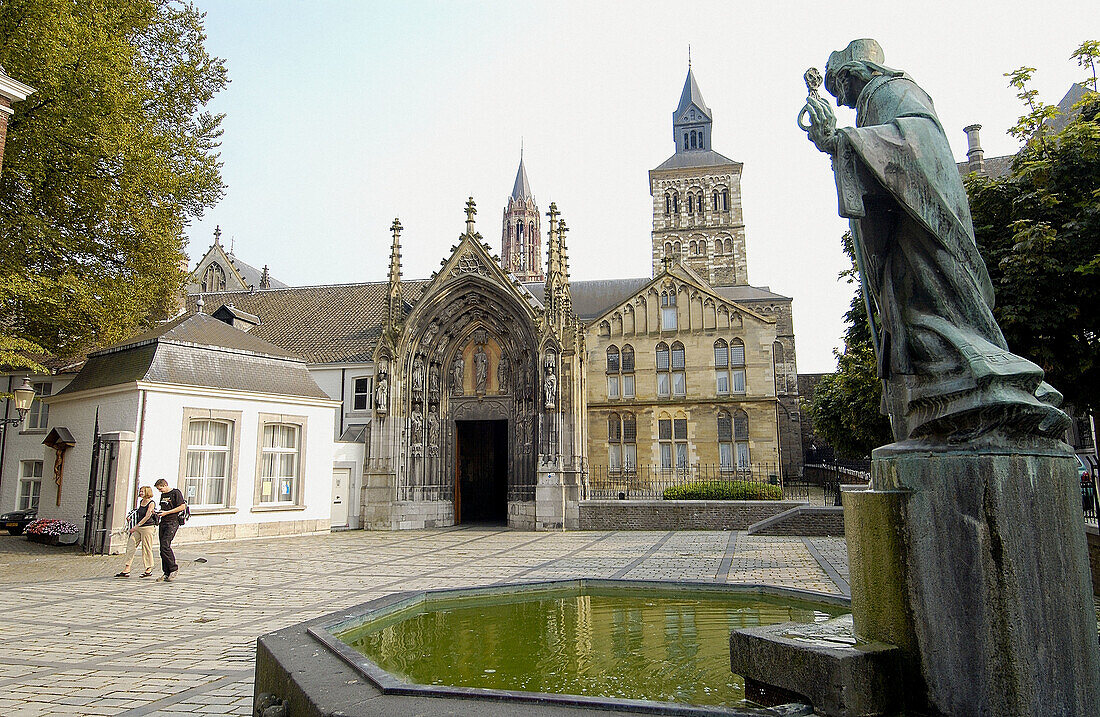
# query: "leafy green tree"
1038,229
105,166
846,405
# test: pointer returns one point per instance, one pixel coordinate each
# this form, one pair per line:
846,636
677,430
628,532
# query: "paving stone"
81,642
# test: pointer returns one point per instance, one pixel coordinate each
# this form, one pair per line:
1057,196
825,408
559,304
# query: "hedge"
724,490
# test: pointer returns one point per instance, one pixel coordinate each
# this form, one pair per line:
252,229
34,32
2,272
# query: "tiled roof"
252,275
339,323
198,350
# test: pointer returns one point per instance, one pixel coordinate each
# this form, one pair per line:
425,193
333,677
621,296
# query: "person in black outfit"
171,504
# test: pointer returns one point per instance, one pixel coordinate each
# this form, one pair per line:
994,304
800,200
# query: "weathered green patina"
947,371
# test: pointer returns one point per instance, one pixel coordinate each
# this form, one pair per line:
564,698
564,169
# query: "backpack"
184,515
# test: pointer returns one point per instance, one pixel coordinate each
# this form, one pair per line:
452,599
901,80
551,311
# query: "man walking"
171,505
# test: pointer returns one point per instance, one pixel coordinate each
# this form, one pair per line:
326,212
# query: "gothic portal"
477,409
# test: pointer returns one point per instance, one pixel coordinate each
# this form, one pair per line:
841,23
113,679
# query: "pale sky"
343,115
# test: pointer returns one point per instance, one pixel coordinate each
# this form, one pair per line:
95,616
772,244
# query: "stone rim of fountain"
323,629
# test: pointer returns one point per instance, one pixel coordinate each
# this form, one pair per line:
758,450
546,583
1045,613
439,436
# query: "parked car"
16,521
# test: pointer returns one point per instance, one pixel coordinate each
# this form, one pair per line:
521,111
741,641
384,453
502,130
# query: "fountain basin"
527,632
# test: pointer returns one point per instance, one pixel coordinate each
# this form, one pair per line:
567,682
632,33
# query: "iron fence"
649,482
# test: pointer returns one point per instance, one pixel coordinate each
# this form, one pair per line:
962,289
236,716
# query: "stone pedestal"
973,561
550,497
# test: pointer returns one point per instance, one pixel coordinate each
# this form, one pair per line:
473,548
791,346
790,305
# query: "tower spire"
393,299
471,212
691,122
521,238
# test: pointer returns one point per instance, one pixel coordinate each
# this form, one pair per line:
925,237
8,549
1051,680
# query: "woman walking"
142,524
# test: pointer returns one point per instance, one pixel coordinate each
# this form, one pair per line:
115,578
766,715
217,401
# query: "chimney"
11,92
974,155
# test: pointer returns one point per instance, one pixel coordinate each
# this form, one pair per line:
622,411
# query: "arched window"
737,366
699,202
612,372
741,439
685,140
715,198
679,370
694,248
628,371
630,442
725,441
691,203
725,200
729,246
663,363
721,367
692,140
678,248
213,279
614,442
675,202
668,308
672,440
668,203
702,247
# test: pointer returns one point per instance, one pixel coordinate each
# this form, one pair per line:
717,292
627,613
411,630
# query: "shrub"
724,490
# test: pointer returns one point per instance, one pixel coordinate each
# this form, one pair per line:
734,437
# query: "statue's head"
858,61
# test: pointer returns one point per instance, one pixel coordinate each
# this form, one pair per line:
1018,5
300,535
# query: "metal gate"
100,484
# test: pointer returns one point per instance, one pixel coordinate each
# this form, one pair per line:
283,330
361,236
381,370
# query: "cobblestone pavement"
79,642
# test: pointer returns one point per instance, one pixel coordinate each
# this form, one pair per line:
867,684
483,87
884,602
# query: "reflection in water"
608,643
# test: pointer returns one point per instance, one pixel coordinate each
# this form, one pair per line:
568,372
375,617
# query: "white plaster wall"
118,411
20,445
338,381
161,446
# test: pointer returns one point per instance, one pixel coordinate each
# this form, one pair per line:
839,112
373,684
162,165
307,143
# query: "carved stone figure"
417,421
458,371
382,394
503,375
418,375
433,380
433,430
481,369
550,382
948,374
429,335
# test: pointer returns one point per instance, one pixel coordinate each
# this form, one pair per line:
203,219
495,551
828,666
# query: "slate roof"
252,275
592,299
995,167
198,350
691,96
522,188
696,158
338,323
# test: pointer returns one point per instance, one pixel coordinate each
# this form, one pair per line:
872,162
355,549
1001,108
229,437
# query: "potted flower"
51,532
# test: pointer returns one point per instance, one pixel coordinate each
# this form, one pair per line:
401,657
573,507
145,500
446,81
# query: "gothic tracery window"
213,279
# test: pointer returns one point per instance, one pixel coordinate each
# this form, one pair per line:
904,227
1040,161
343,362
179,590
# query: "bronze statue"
947,372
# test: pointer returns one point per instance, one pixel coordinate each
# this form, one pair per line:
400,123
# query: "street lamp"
24,396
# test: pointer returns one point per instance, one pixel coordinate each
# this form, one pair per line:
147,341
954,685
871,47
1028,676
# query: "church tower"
697,199
521,243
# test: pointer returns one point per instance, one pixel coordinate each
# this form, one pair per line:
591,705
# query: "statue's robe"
946,368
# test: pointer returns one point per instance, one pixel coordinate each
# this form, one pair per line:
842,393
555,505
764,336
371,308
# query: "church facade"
497,389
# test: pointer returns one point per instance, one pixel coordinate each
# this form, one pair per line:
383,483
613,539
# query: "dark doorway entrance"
481,483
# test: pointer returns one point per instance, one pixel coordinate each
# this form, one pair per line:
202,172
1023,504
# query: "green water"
669,648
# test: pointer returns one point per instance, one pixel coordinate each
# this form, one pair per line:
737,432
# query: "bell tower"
697,199
521,241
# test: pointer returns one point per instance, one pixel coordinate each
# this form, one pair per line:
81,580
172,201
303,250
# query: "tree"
846,407
1038,229
105,166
